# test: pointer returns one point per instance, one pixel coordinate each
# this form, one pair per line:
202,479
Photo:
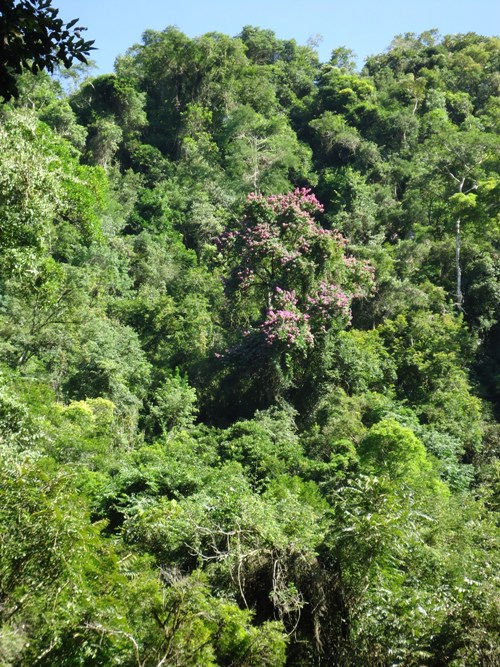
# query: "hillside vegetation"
250,357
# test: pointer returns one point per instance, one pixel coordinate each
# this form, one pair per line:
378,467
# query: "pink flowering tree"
285,324
290,281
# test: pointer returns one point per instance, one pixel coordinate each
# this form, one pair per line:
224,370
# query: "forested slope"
250,359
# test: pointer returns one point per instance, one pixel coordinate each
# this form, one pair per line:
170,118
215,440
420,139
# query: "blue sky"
365,26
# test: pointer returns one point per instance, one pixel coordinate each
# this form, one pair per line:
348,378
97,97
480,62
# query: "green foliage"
427,349
43,185
391,450
358,361
267,446
263,153
50,558
108,362
249,428
60,117
174,404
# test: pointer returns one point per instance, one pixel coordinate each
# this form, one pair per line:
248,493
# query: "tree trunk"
460,296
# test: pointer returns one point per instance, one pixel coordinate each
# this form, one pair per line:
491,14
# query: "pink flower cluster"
279,242
292,213
285,323
327,301
278,235
349,261
277,232
301,199
224,239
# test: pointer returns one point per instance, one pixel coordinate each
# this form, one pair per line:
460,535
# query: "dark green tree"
33,37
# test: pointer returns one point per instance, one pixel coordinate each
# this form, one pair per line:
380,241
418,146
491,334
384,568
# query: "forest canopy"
249,355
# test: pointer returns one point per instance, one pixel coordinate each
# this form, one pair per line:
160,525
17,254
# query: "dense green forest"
250,357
